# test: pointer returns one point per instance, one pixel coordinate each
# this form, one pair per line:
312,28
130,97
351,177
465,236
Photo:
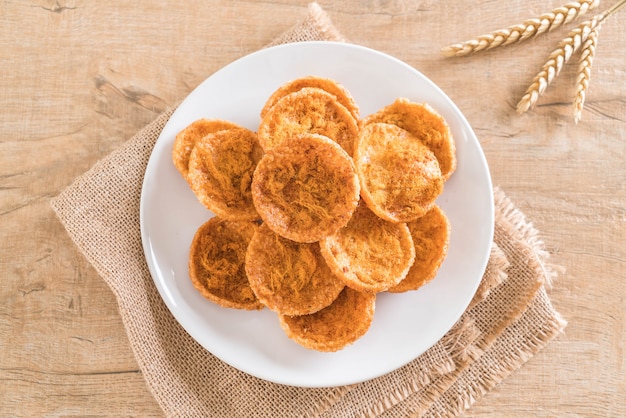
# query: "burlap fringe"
399,393
432,394
495,273
328,401
316,25
517,222
499,370
322,22
402,392
387,403
461,340
459,343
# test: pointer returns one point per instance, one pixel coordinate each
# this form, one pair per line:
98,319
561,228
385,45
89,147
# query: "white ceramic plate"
405,325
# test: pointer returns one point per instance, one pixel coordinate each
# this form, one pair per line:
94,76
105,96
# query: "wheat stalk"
523,31
561,55
584,72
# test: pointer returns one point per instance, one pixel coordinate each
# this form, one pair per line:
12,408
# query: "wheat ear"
584,72
586,60
566,48
561,55
523,31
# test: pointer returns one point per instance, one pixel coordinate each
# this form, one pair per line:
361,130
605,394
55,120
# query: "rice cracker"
288,277
308,110
342,95
220,172
333,328
186,139
306,188
400,177
216,263
369,254
431,236
426,124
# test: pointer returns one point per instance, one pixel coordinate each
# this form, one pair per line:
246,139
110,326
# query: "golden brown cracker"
308,110
369,254
306,188
333,328
289,277
342,94
431,236
216,263
426,124
400,177
186,139
220,172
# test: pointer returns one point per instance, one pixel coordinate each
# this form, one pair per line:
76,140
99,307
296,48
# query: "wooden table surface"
78,78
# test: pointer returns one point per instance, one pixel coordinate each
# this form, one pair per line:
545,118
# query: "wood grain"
79,78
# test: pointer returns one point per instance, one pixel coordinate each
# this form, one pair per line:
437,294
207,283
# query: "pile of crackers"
319,210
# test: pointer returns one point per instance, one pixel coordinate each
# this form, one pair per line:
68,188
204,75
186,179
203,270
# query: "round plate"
405,325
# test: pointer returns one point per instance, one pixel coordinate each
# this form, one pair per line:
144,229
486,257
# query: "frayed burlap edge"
537,254
495,274
315,26
476,379
372,397
461,340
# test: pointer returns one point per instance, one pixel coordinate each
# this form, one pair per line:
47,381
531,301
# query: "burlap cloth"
509,320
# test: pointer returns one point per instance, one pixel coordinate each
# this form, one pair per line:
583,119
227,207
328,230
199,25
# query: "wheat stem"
521,32
584,72
614,9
